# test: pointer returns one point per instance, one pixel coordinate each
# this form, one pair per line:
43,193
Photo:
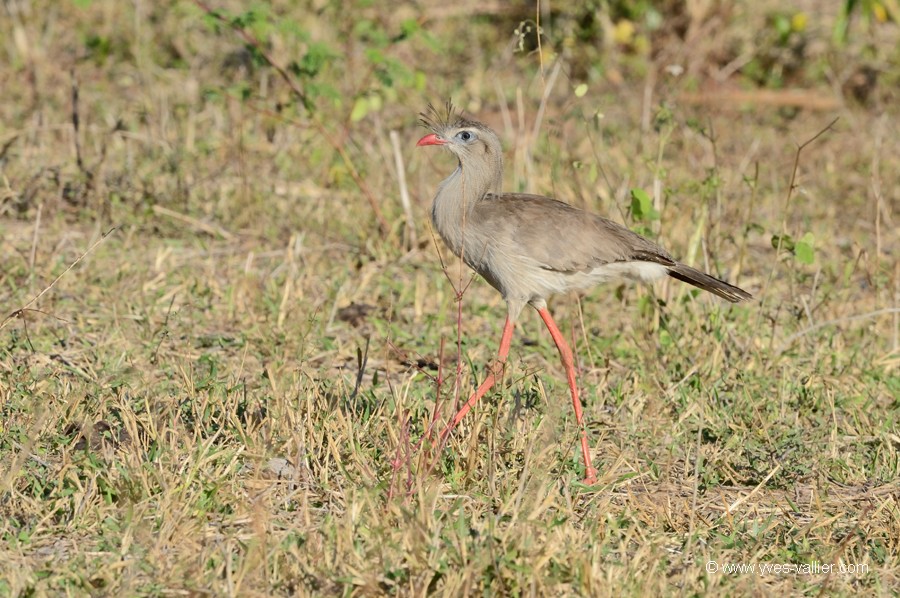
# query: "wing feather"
561,237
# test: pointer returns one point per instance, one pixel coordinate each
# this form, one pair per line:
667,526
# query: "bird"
530,247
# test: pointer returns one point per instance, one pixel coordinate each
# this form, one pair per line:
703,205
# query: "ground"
225,331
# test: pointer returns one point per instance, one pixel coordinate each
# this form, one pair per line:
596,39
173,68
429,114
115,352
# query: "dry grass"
211,400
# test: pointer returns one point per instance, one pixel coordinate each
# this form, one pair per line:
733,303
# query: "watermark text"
769,569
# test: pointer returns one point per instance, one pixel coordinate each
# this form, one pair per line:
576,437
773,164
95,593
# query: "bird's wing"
563,238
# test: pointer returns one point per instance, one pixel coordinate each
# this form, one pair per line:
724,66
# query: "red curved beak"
431,140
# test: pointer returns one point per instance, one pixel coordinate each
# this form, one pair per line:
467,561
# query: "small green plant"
389,72
879,11
802,249
643,211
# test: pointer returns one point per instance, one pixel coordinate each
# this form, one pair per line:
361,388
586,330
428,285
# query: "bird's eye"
465,135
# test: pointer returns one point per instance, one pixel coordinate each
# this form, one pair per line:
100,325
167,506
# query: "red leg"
565,355
505,341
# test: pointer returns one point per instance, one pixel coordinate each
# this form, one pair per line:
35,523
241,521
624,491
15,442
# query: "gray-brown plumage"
530,247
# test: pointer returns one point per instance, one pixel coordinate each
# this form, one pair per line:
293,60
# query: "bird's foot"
590,477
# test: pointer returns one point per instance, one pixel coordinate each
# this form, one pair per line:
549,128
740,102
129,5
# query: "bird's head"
471,141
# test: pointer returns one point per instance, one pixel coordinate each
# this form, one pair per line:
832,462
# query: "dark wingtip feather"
717,287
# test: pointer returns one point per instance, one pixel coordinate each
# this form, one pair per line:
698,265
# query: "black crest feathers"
436,119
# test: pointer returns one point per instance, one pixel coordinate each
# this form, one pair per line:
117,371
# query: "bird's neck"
458,196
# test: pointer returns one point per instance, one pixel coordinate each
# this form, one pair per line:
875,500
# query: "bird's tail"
708,283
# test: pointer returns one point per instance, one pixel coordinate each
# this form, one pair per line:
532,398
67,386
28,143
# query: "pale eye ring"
465,136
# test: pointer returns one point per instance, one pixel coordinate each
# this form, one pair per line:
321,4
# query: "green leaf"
580,90
409,27
665,338
754,227
804,250
360,109
317,56
642,206
785,242
375,56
